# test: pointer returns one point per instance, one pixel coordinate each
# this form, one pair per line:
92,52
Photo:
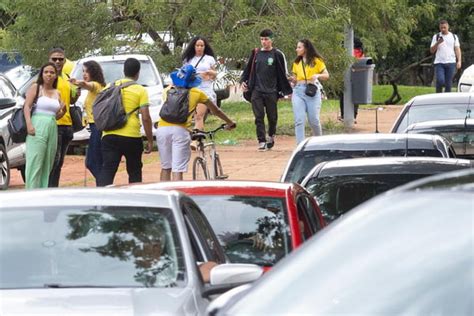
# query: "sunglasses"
55,59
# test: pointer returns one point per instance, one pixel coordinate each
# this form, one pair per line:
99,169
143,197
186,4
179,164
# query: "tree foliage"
91,27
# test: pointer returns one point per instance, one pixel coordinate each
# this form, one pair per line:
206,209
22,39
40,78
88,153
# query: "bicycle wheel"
218,171
199,169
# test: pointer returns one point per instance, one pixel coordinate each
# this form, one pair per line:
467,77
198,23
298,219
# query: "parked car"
112,67
466,81
314,150
460,133
433,107
405,254
343,184
12,155
20,75
109,251
255,222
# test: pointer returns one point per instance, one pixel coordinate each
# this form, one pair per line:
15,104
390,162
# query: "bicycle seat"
198,136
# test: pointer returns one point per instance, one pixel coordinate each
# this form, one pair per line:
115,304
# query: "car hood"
86,301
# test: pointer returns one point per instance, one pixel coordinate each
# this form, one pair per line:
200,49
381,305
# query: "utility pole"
348,105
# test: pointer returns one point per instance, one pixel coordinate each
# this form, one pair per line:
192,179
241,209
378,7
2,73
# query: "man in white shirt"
445,45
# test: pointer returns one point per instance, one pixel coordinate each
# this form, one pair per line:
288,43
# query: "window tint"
251,229
337,195
306,209
424,113
204,233
90,246
113,70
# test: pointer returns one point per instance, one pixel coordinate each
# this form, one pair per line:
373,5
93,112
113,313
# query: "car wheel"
4,168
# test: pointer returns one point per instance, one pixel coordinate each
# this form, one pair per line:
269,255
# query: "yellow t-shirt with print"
318,68
195,96
134,96
91,95
64,88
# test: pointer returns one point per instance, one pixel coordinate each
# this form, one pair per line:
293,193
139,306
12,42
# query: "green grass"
380,93
242,113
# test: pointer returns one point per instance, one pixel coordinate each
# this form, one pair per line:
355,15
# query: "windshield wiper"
70,286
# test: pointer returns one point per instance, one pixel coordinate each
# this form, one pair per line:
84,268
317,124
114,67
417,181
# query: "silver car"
409,253
109,252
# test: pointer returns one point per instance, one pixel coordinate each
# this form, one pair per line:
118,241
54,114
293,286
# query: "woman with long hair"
94,82
308,67
200,55
42,107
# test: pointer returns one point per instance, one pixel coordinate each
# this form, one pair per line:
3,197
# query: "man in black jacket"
264,80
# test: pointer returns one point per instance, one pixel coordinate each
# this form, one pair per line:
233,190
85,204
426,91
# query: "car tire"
4,168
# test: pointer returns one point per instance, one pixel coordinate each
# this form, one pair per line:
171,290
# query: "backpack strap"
125,85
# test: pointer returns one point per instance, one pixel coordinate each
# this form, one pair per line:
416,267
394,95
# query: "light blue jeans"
304,105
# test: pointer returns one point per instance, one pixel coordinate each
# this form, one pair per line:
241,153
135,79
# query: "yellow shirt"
318,68
64,88
133,97
91,95
195,96
68,67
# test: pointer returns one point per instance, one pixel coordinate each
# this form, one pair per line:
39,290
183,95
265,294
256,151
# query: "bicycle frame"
208,154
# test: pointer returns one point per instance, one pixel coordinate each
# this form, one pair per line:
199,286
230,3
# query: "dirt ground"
240,162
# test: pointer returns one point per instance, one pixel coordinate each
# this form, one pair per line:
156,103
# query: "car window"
338,194
424,113
113,70
203,233
251,229
90,246
304,162
306,210
6,91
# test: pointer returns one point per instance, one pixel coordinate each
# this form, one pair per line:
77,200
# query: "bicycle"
207,152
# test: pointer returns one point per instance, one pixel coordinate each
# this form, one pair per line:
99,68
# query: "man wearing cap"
265,76
174,139
127,140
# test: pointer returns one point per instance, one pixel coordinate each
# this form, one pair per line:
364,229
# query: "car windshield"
21,74
303,162
113,70
251,229
89,247
424,113
339,194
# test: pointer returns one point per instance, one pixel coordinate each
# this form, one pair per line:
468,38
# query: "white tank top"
47,105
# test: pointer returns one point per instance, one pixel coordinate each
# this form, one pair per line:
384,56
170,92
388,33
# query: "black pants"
113,148
261,103
65,135
341,106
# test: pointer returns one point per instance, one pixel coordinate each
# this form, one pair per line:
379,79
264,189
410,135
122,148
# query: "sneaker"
270,142
262,146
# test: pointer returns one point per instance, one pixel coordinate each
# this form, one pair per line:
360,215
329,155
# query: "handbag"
17,124
248,94
76,118
311,88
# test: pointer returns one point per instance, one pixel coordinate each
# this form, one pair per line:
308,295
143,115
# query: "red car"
256,222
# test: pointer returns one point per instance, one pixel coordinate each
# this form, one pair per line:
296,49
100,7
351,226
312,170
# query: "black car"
459,132
314,150
343,184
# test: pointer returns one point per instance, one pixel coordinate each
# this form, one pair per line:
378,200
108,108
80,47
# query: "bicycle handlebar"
223,126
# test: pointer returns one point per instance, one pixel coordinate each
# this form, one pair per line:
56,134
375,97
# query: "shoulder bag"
311,88
17,123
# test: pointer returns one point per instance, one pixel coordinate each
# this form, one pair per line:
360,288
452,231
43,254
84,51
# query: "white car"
112,66
466,82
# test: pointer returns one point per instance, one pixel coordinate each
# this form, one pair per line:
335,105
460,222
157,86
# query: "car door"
309,215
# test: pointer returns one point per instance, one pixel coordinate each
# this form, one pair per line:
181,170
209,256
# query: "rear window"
424,113
303,162
339,194
113,70
250,229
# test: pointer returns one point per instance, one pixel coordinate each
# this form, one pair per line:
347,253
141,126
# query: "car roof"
350,265
442,98
369,141
221,187
389,165
114,57
461,123
86,196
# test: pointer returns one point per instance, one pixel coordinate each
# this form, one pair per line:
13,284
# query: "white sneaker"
262,146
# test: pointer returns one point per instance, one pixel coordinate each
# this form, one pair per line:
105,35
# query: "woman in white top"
42,107
200,55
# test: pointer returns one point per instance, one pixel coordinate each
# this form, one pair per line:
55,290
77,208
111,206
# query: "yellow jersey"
64,88
91,95
318,68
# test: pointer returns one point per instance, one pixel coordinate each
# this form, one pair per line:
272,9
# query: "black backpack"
109,113
176,107
17,123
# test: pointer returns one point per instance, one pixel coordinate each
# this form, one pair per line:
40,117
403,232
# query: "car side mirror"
6,103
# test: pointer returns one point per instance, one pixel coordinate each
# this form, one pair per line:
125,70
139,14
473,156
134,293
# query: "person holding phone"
445,45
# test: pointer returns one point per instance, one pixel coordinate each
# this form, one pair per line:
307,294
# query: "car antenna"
407,130
468,111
